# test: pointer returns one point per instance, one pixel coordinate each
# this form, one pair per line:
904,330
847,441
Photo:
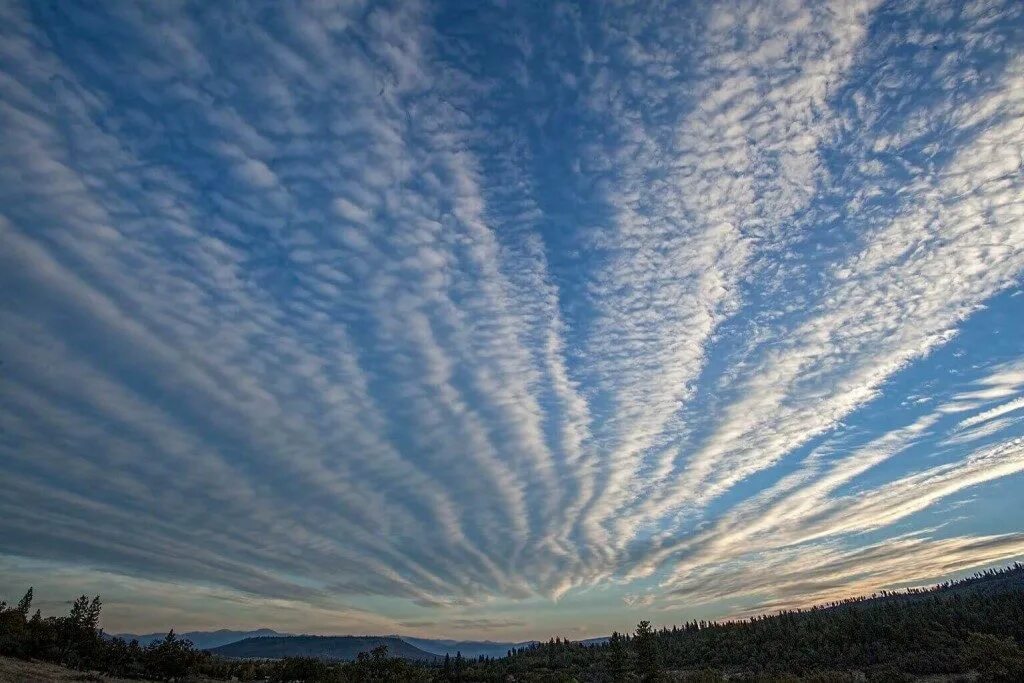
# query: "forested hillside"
972,627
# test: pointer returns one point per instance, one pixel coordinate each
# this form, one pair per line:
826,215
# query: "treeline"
76,641
975,627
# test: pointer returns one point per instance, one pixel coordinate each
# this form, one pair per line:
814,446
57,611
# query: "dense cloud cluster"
326,300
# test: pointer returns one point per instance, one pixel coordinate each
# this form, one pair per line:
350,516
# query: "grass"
21,671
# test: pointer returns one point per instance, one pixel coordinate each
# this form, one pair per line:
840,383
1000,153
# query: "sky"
506,319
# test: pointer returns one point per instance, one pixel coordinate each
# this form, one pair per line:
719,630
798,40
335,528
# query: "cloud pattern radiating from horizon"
355,315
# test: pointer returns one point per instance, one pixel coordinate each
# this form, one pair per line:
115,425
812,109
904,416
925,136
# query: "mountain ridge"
210,640
337,648
468,648
203,640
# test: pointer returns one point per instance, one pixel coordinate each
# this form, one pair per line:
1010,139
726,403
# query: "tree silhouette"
647,651
25,604
618,660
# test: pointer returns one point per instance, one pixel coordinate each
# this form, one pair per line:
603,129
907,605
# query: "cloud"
466,624
883,308
688,197
350,211
806,576
362,305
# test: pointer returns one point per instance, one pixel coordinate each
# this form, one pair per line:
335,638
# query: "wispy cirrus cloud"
415,312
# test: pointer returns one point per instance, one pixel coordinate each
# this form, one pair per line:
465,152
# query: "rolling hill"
203,640
469,648
340,648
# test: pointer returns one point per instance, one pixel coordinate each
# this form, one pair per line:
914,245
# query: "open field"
20,671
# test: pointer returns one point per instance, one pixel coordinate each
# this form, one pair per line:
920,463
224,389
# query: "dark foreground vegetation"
973,628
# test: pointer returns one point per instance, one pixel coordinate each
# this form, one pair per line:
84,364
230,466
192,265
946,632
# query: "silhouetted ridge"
342,648
204,640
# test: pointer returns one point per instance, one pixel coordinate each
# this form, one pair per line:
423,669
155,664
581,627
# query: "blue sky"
506,319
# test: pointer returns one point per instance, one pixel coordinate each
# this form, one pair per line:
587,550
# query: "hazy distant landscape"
345,647
973,628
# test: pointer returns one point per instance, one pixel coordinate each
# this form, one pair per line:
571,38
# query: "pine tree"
618,663
460,665
648,654
92,614
25,604
79,611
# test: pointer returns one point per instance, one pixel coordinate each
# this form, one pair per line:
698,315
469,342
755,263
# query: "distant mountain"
601,640
210,640
323,647
469,648
203,640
